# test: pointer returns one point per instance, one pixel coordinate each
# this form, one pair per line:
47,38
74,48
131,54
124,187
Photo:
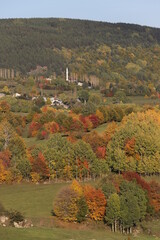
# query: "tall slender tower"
67,79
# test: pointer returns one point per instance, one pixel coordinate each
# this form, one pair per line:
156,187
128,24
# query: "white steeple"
67,79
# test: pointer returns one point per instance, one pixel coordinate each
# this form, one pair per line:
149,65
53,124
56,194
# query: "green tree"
136,147
130,211
113,211
84,95
82,209
138,194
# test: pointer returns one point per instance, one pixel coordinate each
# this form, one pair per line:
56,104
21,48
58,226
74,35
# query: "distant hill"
111,52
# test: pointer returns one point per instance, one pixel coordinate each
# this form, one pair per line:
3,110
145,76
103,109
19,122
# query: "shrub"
15,216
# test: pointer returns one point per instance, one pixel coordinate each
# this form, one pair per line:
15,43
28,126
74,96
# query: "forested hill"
108,51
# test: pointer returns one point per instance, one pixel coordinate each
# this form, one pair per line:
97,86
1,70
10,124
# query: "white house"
16,95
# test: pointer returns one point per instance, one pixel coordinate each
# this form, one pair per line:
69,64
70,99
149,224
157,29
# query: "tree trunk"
112,228
115,226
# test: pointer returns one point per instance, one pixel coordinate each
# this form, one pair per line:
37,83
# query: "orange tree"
96,202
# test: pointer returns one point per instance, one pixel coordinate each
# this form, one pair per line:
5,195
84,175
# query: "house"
48,80
17,95
80,84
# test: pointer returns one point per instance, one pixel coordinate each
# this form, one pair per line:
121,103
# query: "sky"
143,12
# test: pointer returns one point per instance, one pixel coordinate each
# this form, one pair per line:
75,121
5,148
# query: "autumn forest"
80,111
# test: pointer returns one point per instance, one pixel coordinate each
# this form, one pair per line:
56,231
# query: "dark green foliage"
113,53
88,108
16,216
108,188
120,96
39,102
67,33
130,211
131,192
82,209
23,165
84,95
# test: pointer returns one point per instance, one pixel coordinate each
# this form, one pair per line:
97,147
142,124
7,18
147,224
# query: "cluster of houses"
54,101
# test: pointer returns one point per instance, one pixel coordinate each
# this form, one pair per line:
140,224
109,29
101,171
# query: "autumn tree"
155,196
65,206
39,166
136,147
96,202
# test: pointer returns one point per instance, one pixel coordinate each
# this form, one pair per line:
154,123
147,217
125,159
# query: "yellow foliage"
35,177
77,187
100,116
65,205
5,175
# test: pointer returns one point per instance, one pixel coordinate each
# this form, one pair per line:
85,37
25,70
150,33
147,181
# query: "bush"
15,216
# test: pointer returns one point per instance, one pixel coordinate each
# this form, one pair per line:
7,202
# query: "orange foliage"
51,127
96,202
155,195
83,166
87,124
39,166
5,156
129,146
33,128
4,106
97,143
101,152
5,175
110,130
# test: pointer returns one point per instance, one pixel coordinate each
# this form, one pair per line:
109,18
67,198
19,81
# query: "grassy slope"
101,129
32,200
61,234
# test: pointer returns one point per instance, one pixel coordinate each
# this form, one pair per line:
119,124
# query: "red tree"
39,166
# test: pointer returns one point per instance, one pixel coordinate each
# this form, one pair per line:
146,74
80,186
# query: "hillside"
110,52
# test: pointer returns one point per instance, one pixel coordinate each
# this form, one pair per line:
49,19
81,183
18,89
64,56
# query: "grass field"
33,141
142,100
63,234
139,100
101,129
32,200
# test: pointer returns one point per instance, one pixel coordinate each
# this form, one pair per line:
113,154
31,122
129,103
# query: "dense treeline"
121,201
111,52
71,149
